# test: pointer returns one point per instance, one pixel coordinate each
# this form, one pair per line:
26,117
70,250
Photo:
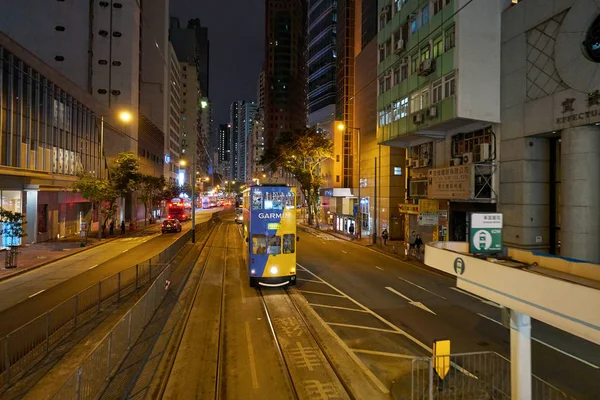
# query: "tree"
12,230
152,188
101,194
125,175
301,153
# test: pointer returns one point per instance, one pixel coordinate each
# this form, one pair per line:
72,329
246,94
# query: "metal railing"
93,374
25,346
471,376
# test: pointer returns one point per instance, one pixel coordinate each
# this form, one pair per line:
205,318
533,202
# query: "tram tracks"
310,372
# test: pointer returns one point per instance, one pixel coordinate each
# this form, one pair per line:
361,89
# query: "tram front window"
259,244
274,245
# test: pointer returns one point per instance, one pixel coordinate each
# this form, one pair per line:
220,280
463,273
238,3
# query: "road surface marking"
383,353
321,293
344,252
308,280
251,356
589,364
368,328
36,293
421,287
124,251
484,301
337,307
93,266
379,268
411,302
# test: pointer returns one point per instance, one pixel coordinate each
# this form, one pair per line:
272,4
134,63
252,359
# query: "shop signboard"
450,183
428,206
428,219
408,208
485,233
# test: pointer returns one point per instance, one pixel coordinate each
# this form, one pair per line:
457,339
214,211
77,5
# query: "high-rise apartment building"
285,66
322,53
247,113
173,139
234,126
96,45
202,55
260,92
255,149
223,150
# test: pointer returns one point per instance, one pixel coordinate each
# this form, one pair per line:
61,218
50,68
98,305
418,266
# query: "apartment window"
337,179
403,72
414,63
415,102
388,82
388,114
437,6
396,110
404,107
381,53
337,158
404,31
381,21
103,4
425,53
449,85
425,98
382,118
388,47
425,14
398,171
381,86
396,36
396,76
438,47
414,26
450,38
436,92
397,5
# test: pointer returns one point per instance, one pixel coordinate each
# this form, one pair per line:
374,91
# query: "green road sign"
486,233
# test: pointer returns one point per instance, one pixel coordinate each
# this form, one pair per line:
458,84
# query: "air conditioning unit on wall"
467,158
414,163
482,152
455,161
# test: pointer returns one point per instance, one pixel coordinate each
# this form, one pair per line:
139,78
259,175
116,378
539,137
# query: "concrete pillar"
520,355
580,197
30,210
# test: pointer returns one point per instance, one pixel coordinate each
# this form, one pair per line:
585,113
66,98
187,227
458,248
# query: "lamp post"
342,127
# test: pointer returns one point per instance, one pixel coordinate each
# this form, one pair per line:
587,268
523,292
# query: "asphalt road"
421,306
29,295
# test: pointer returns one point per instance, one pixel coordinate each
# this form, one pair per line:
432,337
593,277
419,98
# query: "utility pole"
193,174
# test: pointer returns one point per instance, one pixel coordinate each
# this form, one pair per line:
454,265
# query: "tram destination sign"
485,233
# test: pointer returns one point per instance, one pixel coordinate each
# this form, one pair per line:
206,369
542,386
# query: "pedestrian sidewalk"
393,248
36,255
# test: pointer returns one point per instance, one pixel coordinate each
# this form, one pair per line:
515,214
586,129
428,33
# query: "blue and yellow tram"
269,232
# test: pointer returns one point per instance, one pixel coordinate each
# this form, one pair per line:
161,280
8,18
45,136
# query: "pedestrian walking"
385,235
418,244
122,227
351,230
111,227
411,241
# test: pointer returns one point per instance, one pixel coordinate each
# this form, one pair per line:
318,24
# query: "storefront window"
11,201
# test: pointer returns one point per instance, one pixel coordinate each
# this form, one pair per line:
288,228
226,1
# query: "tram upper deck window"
257,200
289,200
274,201
289,244
274,245
259,244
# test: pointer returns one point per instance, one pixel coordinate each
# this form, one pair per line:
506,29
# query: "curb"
45,263
422,266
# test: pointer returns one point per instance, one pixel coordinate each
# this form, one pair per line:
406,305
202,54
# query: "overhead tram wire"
417,46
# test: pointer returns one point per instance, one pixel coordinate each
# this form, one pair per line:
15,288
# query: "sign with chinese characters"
428,206
572,108
408,208
428,219
486,233
450,183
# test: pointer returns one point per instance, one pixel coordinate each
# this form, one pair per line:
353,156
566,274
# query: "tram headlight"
253,271
274,270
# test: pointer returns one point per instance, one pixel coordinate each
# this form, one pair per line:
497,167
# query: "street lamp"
342,127
124,116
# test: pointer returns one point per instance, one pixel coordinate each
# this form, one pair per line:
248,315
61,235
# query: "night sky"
236,33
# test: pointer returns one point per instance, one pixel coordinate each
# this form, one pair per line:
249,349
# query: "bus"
269,232
177,210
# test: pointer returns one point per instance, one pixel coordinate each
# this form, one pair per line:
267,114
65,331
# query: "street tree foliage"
125,173
101,194
152,190
302,153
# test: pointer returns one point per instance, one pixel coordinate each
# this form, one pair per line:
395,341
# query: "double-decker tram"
269,231
177,210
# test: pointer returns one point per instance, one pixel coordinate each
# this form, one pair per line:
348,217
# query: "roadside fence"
471,376
27,345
